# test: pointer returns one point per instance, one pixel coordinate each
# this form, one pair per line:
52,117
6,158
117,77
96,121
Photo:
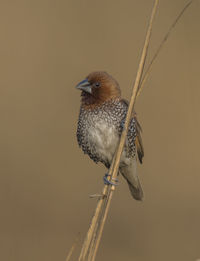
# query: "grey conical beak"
84,86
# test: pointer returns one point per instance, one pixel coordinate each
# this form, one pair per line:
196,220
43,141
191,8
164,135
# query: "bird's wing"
138,139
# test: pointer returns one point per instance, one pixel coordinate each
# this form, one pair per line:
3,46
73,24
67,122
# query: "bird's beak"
84,86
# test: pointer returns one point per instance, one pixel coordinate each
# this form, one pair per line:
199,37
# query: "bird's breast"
104,137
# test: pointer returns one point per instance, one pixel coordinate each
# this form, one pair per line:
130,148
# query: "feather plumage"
100,126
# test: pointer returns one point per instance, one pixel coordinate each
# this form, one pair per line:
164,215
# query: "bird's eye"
97,84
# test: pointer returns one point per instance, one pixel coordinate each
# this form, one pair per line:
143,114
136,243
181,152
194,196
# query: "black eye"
97,84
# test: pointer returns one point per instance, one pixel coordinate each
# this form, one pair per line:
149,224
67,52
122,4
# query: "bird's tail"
136,192
130,174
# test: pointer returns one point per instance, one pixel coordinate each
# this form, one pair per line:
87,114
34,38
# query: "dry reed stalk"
92,240
148,70
93,226
107,190
73,247
125,130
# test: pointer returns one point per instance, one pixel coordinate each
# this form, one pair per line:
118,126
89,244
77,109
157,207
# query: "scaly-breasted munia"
101,119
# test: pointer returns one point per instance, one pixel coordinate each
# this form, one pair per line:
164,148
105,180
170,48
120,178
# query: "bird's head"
97,88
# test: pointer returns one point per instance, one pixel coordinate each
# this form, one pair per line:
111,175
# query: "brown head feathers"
97,88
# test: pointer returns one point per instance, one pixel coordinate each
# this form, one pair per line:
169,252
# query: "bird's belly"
104,139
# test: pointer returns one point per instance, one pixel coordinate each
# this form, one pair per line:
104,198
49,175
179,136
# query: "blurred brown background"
47,47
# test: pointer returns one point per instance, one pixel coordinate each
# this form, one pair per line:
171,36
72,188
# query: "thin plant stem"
72,248
94,222
92,240
116,159
148,70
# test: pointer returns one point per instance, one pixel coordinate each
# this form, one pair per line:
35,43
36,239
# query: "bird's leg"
109,182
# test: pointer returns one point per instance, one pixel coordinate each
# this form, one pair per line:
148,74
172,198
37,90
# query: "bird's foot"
109,182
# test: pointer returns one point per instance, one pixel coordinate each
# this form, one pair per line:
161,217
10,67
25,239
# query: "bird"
100,124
